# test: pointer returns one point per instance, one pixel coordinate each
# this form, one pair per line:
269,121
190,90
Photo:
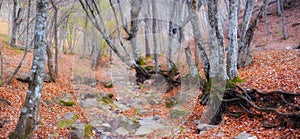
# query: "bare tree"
28,119
16,21
247,33
198,37
232,39
242,44
136,6
281,13
26,47
171,33
54,5
154,28
93,12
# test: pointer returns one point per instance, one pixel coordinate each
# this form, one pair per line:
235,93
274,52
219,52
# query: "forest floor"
275,66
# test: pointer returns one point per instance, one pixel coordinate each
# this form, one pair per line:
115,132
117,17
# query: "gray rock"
106,127
108,84
121,106
204,127
148,125
121,131
142,111
88,103
90,96
178,113
129,124
245,135
147,128
84,80
77,131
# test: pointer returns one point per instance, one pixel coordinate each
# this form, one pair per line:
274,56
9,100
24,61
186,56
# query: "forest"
114,69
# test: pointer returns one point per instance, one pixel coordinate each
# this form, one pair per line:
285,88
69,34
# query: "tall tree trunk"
147,47
28,119
15,22
267,21
55,37
245,50
26,48
198,37
50,63
85,37
232,39
217,75
246,20
136,6
281,13
154,22
171,33
1,2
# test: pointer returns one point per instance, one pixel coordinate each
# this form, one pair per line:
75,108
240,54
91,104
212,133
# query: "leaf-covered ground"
275,66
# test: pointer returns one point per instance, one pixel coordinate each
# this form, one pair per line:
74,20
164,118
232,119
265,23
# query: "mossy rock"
65,123
107,98
170,102
178,113
108,84
67,102
88,131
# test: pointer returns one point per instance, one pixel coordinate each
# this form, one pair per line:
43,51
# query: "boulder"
121,131
245,135
178,113
81,131
204,127
148,125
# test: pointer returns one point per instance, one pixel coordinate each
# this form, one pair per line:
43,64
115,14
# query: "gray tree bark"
136,6
242,41
232,40
217,72
28,119
154,28
171,34
198,38
26,48
245,50
55,37
16,21
281,13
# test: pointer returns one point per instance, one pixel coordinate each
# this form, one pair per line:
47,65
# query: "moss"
64,123
108,84
150,68
178,113
4,36
232,83
240,25
170,102
236,114
67,103
141,61
17,50
88,131
107,99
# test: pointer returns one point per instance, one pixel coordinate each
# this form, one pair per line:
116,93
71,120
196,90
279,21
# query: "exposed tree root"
172,77
285,105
